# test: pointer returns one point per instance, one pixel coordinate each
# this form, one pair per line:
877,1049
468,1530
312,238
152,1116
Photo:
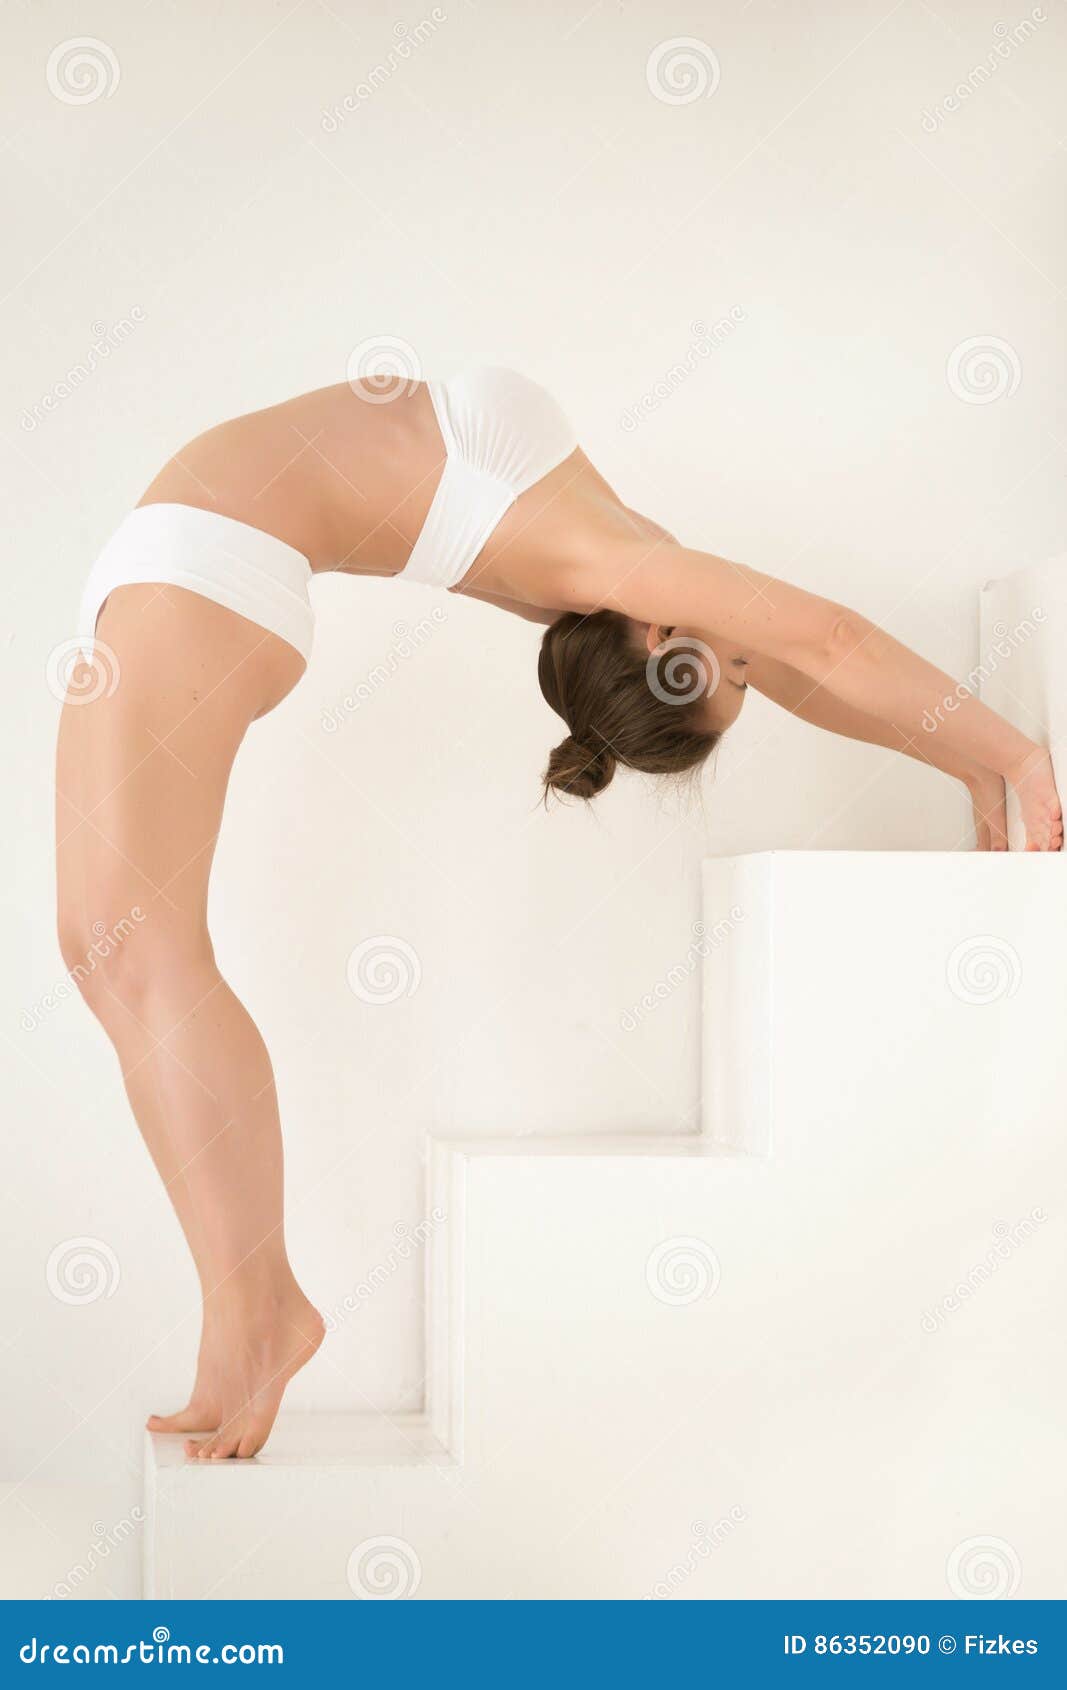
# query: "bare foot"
261,1357
1035,788
203,1411
989,796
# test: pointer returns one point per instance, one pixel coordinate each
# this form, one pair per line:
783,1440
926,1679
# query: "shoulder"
602,542
617,565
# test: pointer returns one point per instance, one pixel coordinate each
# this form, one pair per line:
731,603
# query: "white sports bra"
502,432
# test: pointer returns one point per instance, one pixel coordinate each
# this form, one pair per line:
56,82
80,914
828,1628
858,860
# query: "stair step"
691,1374
1020,671
302,1439
719,1365
856,994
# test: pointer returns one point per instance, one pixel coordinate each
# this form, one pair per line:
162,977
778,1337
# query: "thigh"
145,752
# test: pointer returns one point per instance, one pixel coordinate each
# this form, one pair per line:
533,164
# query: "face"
725,669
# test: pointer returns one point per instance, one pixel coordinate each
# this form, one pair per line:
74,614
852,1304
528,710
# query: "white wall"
511,191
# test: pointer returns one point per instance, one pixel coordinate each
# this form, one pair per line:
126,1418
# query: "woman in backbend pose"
200,605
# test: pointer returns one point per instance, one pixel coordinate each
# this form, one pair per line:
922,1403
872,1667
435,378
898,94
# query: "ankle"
254,1298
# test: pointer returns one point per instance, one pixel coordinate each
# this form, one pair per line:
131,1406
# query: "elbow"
848,638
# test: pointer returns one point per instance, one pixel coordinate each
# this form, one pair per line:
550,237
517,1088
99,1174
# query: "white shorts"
182,546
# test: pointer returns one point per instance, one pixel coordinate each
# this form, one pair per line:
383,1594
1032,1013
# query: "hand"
989,797
1035,787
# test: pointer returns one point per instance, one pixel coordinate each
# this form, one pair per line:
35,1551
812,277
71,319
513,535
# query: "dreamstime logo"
145,1653
405,42
383,969
82,1270
682,1270
104,342
105,1539
105,941
384,1569
681,670
1006,38
407,641
705,1540
1005,641
984,970
983,1567
983,369
408,1240
80,671
82,70
704,943
682,70
1008,1239
704,343
382,369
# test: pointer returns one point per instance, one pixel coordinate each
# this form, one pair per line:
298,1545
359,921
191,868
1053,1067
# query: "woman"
200,611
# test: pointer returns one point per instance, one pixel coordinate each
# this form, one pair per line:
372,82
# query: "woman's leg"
141,781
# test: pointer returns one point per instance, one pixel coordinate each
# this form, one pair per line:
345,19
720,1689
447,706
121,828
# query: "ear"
656,635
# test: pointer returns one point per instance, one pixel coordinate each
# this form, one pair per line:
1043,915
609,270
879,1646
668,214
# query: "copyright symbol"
947,1645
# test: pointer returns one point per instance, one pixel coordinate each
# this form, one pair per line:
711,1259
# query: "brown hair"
596,676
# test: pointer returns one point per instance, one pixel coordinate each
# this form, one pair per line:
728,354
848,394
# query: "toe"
248,1445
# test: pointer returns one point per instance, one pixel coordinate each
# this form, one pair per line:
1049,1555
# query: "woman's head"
650,698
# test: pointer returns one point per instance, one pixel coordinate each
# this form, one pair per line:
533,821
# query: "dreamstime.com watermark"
1006,38
81,70
705,1540
383,368
682,669
406,43
682,69
104,342
983,369
82,1270
107,941
384,1569
700,948
383,969
681,1271
407,642
983,969
1005,641
106,1539
1007,1239
79,671
705,341
408,1241
983,1567
159,1651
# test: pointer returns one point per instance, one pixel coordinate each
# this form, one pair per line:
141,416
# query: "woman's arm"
836,648
528,612
850,657
793,691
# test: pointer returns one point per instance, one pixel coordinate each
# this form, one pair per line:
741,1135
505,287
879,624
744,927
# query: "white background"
511,191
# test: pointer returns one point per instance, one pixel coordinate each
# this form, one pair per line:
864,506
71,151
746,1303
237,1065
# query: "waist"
180,533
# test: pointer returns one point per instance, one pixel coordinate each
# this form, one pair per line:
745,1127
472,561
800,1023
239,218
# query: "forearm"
810,702
868,670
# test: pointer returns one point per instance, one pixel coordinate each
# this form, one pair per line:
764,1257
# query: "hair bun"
580,772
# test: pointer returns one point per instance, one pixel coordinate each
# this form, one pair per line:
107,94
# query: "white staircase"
1021,670
815,1352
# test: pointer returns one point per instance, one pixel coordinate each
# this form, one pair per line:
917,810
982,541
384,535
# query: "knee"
104,958
132,960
